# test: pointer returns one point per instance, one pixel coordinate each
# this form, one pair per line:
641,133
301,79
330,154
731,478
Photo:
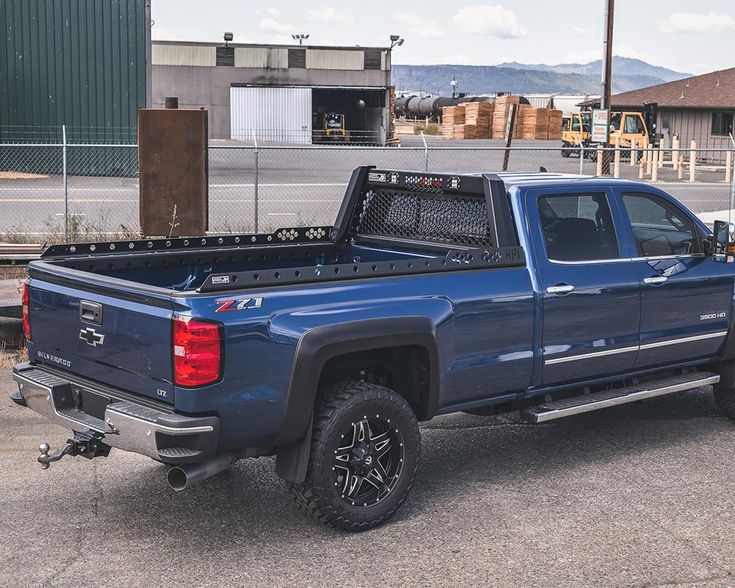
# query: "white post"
616,164
633,152
679,165
649,159
675,152
66,184
693,161
654,166
728,166
599,161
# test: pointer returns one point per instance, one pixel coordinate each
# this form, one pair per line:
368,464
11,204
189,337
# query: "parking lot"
305,185
641,495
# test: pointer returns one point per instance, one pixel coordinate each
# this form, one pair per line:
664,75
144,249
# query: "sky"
684,35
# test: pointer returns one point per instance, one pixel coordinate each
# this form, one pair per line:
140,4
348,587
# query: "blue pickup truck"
552,295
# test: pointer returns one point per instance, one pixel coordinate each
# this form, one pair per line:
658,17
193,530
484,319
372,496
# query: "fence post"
616,164
693,161
599,161
728,166
649,159
257,170
426,152
654,168
675,152
633,153
679,166
581,158
661,152
66,183
641,166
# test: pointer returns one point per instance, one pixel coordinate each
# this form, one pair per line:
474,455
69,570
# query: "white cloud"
461,59
582,30
625,51
485,19
272,12
270,25
582,55
694,22
419,26
161,33
328,15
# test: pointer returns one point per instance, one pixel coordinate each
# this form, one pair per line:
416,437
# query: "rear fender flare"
316,347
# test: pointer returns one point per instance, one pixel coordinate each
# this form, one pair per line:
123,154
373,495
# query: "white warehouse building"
277,92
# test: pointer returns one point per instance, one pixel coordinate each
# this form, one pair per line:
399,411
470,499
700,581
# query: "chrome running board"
549,411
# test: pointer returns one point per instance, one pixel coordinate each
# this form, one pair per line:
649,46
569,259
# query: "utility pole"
607,45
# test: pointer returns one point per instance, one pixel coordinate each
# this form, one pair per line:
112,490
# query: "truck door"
590,292
686,296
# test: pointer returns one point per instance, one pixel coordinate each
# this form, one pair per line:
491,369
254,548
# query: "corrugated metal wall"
261,57
274,114
194,55
76,62
334,59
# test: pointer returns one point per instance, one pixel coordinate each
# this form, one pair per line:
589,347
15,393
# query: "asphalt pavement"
639,495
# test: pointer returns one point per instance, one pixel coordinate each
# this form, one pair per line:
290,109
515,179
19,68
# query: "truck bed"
389,224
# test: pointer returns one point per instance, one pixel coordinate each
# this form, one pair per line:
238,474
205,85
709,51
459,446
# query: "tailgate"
123,341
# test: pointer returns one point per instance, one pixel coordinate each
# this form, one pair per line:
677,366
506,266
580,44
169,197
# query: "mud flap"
292,461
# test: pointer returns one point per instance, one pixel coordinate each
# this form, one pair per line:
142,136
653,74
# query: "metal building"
79,63
277,92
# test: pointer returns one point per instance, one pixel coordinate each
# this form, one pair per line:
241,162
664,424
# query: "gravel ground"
641,495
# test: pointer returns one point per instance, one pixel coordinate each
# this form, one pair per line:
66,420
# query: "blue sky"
680,34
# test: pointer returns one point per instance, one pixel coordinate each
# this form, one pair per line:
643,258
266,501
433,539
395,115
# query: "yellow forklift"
625,126
333,129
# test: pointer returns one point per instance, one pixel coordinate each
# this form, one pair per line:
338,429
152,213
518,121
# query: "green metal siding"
81,63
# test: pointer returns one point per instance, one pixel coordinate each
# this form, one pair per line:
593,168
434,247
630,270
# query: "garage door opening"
350,116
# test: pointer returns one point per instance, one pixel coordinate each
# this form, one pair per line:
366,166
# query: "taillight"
197,347
26,300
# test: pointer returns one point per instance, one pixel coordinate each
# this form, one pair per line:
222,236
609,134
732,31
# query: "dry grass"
9,358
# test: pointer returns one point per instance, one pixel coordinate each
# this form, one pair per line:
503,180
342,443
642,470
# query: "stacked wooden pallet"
451,116
535,124
500,114
555,125
487,120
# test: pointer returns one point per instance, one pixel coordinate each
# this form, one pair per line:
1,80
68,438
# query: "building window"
226,56
372,59
722,123
297,58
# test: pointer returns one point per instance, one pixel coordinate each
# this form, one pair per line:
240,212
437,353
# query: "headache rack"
464,218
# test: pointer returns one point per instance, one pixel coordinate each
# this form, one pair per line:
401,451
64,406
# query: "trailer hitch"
87,445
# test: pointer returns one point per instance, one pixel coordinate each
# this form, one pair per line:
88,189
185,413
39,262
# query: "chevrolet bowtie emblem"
91,337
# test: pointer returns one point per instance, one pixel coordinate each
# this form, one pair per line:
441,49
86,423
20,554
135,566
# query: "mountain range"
520,78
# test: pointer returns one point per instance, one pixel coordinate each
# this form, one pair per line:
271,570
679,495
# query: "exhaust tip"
177,478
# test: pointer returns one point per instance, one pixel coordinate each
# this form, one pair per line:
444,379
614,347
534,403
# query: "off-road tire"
338,409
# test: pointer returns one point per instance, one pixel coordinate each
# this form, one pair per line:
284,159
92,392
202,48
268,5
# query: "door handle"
560,289
655,280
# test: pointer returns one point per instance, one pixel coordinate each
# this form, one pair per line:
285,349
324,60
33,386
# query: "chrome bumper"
125,424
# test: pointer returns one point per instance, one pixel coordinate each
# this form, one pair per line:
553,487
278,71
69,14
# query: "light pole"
396,41
300,37
453,83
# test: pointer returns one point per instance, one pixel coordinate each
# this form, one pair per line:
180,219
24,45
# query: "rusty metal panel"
172,151
261,57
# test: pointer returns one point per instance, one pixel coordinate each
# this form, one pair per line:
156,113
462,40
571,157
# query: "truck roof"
540,179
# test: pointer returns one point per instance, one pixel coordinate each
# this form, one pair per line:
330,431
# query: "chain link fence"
79,191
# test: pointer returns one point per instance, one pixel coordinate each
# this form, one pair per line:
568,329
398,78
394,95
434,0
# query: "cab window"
633,125
659,227
577,227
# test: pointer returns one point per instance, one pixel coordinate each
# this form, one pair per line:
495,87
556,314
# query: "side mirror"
723,241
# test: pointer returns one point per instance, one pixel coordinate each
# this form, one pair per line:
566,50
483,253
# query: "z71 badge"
243,304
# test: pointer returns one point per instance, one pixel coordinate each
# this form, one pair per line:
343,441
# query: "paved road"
637,496
299,186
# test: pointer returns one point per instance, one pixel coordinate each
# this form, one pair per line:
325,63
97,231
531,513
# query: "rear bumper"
124,423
